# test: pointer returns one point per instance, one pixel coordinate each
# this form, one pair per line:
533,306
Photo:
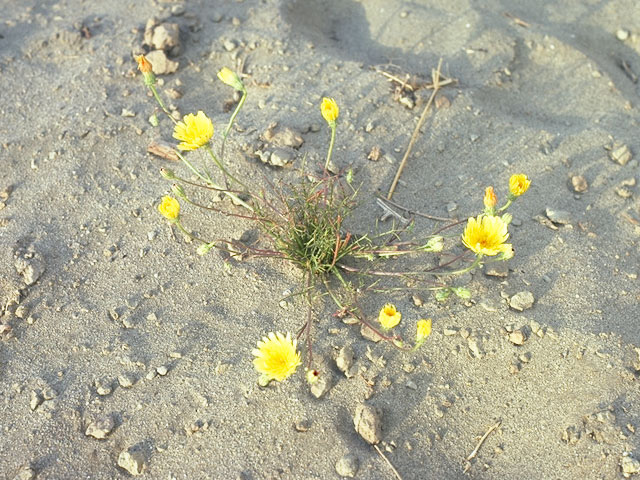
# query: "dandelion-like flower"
423,329
276,356
389,317
194,131
330,110
485,235
490,198
518,184
231,78
169,208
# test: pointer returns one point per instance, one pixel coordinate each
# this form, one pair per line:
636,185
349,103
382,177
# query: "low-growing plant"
305,224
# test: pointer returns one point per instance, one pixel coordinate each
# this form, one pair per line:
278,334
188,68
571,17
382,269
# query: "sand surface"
547,88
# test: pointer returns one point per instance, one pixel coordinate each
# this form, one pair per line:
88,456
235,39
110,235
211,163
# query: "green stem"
330,151
506,205
178,223
221,167
477,262
231,121
192,168
161,103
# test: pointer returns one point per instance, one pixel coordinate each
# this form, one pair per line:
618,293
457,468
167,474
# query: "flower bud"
231,78
330,111
204,248
435,244
490,200
423,330
518,184
146,68
167,173
178,191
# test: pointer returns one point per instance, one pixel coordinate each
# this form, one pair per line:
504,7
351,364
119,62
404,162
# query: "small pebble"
132,461
369,334
630,466
450,331
561,217
517,337
126,380
622,34
101,427
620,154
347,466
321,386
162,370
25,473
579,184
411,385
368,423
521,301
496,269
344,360
36,400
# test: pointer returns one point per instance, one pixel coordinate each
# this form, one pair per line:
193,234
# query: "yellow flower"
231,78
423,329
486,235
490,198
276,356
518,184
194,131
330,110
169,208
389,317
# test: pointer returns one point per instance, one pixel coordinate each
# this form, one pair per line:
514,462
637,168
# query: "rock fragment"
517,337
30,265
286,137
101,427
348,466
344,360
132,460
630,466
160,63
25,473
561,217
620,154
579,184
521,301
368,423
321,386
166,36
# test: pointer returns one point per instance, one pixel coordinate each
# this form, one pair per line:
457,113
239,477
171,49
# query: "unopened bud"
490,200
178,191
167,173
435,244
231,78
204,248
146,68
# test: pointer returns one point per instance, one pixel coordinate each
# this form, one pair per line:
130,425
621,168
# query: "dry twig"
388,462
437,80
475,451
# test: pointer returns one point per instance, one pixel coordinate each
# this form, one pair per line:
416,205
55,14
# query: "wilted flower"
204,248
146,68
485,235
194,131
435,244
276,356
330,110
169,208
389,317
231,78
518,184
423,330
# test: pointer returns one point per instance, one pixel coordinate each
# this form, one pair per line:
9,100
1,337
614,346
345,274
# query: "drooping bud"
146,68
231,78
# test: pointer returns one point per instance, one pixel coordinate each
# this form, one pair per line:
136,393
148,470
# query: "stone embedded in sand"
348,466
281,157
369,334
496,269
160,63
517,337
344,360
132,461
101,427
31,266
561,217
630,466
166,36
474,347
620,154
521,301
321,386
286,137
368,423
579,184
25,473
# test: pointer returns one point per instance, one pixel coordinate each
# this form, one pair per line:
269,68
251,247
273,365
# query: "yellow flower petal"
389,317
518,184
329,109
486,235
194,131
169,208
276,356
423,329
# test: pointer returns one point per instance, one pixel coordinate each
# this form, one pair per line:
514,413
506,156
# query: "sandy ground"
543,88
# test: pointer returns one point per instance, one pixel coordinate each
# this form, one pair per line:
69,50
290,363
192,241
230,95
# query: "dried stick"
435,75
388,462
473,454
